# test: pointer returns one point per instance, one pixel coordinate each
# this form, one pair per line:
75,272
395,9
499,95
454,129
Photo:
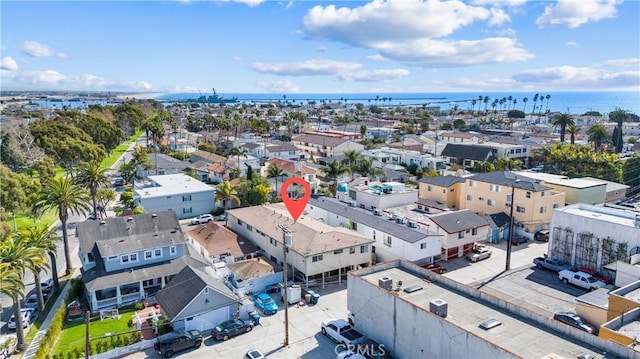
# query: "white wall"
386,200
200,203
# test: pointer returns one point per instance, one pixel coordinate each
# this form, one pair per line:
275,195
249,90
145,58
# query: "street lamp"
507,265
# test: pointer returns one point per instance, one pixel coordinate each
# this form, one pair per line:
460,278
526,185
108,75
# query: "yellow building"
490,193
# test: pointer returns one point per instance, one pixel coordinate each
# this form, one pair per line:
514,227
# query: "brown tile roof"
284,165
217,168
211,157
217,239
252,268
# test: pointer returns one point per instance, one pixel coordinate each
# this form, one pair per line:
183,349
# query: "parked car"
254,354
542,235
518,240
580,279
574,320
348,354
231,328
265,304
203,218
342,332
168,344
119,182
434,267
46,286
553,264
31,302
27,318
479,253
595,273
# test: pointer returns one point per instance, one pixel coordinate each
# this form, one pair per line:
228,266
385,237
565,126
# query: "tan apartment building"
490,193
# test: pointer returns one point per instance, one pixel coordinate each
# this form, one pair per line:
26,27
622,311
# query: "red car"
595,273
434,268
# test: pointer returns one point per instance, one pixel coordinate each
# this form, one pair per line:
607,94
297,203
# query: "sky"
333,46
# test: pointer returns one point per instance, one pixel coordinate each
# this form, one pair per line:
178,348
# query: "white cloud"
55,79
306,68
375,57
9,64
572,77
280,86
414,31
36,49
630,62
571,44
512,3
251,3
574,13
374,75
456,53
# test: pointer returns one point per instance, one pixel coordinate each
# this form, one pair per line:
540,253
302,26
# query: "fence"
122,351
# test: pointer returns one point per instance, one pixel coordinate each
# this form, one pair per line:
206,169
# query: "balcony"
107,303
131,297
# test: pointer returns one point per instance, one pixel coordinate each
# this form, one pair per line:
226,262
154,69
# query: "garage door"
207,321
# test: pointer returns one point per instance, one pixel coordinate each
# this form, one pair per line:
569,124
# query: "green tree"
631,174
333,170
63,196
573,130
619,116
563,121
274,172
237,152
366,168
103,198
459,124
253,190
129,116
225,193
126,197
16,191
508,164
92,176
12,285
598,136
102,131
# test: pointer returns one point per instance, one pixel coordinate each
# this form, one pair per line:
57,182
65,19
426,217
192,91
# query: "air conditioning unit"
438,307
353,203
385,283
412,224
377,212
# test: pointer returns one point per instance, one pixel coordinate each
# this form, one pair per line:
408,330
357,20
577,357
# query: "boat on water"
215,99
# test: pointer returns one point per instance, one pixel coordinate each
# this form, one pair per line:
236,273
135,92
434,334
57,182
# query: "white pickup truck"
580,279
341,331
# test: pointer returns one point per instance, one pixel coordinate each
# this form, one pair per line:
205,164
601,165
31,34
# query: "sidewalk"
30,352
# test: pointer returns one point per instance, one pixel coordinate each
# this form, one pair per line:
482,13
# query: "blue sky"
255,46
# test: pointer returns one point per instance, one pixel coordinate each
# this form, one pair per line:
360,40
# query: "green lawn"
23,220
73,334
120,150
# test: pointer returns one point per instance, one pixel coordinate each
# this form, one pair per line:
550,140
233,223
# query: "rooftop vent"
385,283
353,203
129,219
377,212
490,324
439,307
102,222
155,215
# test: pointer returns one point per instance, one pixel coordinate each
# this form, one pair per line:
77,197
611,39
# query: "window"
444,190
543,209
423,246
469,197
273,241
124,258
186,198
542,194
352,250
494,188
491,202
520,209
337,251
112,258
239,222
133,257
317,258
474,231
173,250
187,210
354,226
472,183
249,228
555,205
365,248
528,194
387,241
460,234
157,252
148,255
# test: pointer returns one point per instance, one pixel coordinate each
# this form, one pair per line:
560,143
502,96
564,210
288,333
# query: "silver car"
479,254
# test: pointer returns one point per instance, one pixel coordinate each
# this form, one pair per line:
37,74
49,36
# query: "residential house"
243,162
368,194
254,275
460,229
162,164
194,300
219,244
127,259
615,191
468,156
185,195
460,137
576,190
290,169
393,236
326,146
317,251
207,157
442,189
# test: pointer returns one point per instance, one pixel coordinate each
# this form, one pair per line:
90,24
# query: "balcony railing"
132,297
107,303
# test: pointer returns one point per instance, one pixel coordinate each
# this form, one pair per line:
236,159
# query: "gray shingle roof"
118,235
506,178
469,152
185,286
442,181
457,221
367,218
165,161
320,140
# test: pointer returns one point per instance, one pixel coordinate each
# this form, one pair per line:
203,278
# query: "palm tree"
351,159
366,168
562,120
11,285
20,256
235,151
274,172
524,108
619,116
62,195
91,175
43,239
598,135
225,192
573,130
333,170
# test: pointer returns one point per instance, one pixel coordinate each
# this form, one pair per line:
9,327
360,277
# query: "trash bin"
255,317
308,298
316,298
311,293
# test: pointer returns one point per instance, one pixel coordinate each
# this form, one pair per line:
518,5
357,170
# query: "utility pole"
287,239
507,265
87,318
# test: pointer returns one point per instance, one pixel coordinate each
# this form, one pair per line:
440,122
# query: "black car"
575,321
542,235
518,240
168,344
118,182
231,328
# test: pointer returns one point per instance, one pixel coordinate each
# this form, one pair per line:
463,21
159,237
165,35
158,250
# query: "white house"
460,229
254,275
372,195
219,244
245,162
185,195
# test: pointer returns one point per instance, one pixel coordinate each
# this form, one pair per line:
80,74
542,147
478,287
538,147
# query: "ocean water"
570,102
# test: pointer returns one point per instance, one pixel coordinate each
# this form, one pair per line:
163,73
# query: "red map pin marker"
295,206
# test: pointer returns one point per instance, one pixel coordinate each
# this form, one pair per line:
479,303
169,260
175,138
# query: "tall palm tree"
236,151
524,108
274,172
351,159
12,285
332,171
63,196
598,136
618,115
573,130
366,168
45,240
92,176
562,120
225,192
19,256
